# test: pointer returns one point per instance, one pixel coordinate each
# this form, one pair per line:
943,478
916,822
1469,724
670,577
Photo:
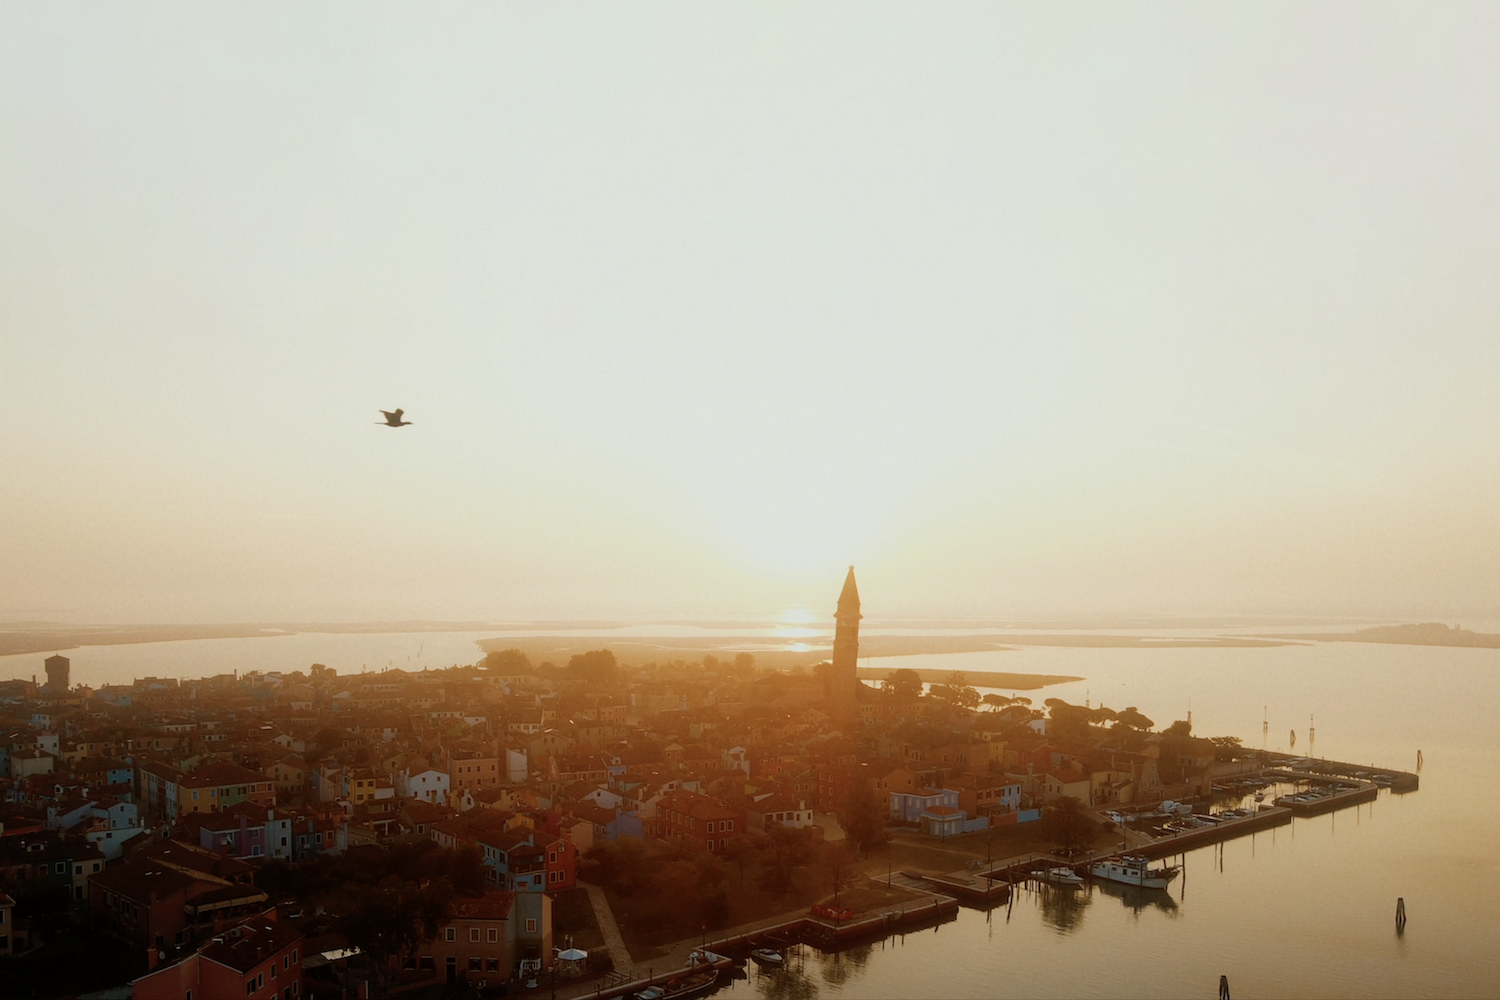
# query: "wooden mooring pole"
1400,912
1223,988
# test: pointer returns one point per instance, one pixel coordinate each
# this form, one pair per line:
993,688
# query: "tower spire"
845,679
849,596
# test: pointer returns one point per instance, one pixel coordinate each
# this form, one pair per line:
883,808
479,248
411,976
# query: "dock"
1399,782
728,953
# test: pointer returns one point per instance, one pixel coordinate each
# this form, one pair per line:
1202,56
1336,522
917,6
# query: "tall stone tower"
57,674
846,653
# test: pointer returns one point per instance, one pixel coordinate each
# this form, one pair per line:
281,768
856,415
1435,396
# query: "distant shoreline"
45,637
974,678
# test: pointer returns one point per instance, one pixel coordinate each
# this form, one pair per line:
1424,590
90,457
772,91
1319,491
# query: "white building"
427,785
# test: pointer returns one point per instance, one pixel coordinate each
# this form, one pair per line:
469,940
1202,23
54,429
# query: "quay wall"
1186,840
821,933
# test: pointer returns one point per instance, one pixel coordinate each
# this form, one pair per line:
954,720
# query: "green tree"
740,849
864,817
467,871
1066,718
597,666
1131,718
1066,822
1225,747
1181,727
391,919
507,661
838,862
787,850
324,742
744,664
905,685
823,673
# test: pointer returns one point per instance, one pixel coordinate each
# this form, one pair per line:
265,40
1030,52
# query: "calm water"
1303,911
1306,910
348,653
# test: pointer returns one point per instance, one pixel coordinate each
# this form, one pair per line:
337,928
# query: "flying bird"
393,419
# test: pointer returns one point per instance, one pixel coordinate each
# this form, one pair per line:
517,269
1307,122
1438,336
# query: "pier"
728,953
1382,777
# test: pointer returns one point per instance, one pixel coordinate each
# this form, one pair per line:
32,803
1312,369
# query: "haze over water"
1157,310
1025,310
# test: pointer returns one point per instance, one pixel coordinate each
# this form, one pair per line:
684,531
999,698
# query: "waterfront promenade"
936,896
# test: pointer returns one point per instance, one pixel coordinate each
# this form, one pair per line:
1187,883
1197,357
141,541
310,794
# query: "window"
492,965
273,970
78,869
475,965
474,934
60,868
426,963
450,934
493,935
286,961
531,925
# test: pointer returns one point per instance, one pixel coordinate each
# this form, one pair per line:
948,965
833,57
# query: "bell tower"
846,653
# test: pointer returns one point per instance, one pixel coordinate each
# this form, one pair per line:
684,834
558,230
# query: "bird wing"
389,416
397,414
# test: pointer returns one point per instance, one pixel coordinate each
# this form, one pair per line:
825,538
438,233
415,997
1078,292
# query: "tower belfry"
846,652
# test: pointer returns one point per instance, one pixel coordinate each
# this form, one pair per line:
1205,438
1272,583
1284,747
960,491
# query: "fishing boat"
1132,869
767,957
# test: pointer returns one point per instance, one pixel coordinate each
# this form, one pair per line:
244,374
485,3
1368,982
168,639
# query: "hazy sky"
1020,309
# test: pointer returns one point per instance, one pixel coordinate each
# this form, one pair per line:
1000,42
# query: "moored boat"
696,985
767,957
1064,877
1132,869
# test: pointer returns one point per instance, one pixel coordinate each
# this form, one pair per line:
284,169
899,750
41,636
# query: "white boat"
1132,869
1061,876
767,956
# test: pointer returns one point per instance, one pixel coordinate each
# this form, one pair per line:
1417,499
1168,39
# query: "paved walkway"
605,917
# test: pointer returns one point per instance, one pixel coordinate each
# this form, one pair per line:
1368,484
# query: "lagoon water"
1306,910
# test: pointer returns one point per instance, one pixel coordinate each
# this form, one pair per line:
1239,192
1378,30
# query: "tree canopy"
1065,821
956,691
1131,718
507,661
905,685
864,817
595,666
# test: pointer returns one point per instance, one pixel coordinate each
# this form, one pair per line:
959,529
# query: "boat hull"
1133,872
